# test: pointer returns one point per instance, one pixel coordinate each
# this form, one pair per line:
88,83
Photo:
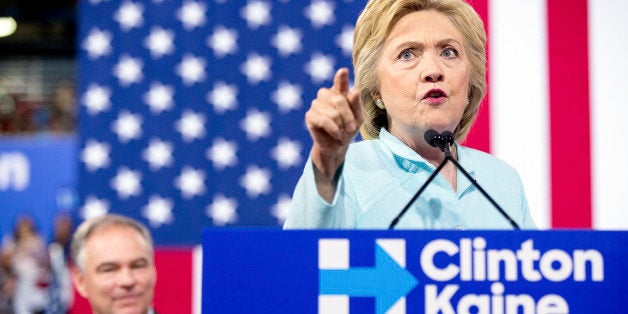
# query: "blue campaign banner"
38,177
333,271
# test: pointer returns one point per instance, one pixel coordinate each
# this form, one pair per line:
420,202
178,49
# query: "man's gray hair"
88,227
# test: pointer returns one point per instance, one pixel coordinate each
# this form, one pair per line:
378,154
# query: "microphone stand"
443,144
418,193
488,197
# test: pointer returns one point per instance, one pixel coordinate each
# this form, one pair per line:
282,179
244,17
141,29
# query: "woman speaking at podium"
419,65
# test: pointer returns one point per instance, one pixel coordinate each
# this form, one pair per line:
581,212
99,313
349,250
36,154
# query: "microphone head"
431,136
448,137
435,139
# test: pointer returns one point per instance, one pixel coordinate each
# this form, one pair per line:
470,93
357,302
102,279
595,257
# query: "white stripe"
333,254
399,307
333,304
197,278
519,98
608,66
395,248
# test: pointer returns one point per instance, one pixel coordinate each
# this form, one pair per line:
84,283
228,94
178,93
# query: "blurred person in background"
62,233
62,112
114,265
7,112
60,289
7,283
21,117
30,262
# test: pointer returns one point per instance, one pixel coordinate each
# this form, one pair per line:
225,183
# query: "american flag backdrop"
191,112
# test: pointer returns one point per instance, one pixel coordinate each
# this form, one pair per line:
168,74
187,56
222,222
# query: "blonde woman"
419,65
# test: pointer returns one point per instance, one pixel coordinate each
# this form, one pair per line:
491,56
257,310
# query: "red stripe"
479,137
173,293
569,113
80,305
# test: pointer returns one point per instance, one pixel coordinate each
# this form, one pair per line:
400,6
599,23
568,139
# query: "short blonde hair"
368,42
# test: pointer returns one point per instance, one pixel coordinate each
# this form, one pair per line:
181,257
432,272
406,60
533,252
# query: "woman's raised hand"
333,121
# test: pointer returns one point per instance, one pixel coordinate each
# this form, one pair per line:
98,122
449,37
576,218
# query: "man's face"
119,274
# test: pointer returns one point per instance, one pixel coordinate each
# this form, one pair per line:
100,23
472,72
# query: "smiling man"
114,265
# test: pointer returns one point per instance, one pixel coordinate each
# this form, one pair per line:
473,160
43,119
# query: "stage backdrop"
191,112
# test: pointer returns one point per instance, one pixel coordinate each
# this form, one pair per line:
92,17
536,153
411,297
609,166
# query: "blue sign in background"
276,271
48,164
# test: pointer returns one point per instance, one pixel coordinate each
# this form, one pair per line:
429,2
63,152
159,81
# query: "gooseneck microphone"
443,141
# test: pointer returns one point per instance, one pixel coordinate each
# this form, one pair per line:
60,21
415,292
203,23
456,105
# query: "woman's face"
424,75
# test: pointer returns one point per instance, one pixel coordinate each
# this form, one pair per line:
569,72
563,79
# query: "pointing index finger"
341,81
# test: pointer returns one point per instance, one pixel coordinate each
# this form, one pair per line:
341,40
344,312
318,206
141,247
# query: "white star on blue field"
192,112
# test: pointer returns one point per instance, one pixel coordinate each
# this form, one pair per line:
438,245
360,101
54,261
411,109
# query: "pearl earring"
379,103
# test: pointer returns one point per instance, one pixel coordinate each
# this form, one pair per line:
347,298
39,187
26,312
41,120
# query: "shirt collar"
410,160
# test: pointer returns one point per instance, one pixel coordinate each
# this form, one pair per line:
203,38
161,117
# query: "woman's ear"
375,95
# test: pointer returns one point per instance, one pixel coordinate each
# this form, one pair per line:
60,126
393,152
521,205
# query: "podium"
381,271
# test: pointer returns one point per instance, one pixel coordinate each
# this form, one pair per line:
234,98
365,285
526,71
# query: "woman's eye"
405,55
450,53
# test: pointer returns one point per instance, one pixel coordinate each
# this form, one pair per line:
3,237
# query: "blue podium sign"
335,271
